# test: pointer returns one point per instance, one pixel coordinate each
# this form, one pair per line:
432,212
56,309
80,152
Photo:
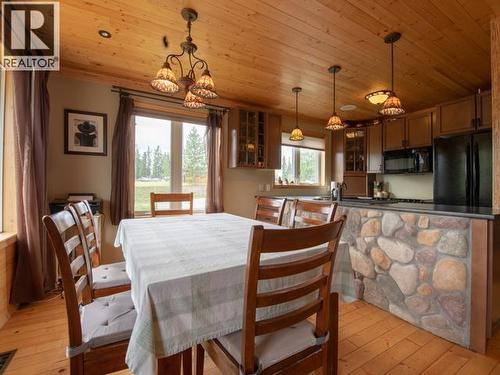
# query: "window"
302,163
170,156
2,117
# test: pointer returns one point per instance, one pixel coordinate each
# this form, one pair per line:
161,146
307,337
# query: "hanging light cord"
334,93
392,67
296,109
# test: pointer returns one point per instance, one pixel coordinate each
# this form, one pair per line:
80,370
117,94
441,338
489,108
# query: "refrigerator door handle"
468,170
476,173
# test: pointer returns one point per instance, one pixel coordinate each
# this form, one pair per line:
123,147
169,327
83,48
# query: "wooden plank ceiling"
259,49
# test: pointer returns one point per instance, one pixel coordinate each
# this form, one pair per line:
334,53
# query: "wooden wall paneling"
495,106
7,266
480,241
9,178
338,156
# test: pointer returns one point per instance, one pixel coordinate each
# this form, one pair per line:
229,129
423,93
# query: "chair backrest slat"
72,244
263,327
87,222
171,198
269,210
294,267
307,213
77,265
322,242
291,293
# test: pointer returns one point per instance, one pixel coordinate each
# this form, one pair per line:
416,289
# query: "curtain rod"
160,97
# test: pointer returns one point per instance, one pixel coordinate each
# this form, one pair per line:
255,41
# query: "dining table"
187,281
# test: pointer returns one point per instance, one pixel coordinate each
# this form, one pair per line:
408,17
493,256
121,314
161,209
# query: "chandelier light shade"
378,97
296,134
204,87
392,105
334,122
196,89
192,101
165,80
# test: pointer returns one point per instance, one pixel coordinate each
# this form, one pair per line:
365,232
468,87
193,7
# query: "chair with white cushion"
99,329
287,343
107,278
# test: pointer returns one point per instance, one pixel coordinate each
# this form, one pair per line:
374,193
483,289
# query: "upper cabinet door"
457,116
484,110
273,141
394,134
419,129
374,162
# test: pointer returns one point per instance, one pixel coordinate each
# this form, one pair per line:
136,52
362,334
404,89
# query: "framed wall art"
85,133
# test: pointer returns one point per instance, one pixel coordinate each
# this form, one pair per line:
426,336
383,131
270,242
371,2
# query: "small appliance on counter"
378,190
58,205
337,189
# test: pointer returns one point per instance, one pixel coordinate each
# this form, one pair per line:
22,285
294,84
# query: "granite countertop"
486,213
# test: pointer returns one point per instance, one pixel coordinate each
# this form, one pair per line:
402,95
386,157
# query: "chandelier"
392,105
334,122
196,90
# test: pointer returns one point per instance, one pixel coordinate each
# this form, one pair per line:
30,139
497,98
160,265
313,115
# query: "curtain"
214,162
122,172
35,269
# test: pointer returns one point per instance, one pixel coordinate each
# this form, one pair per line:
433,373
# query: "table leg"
170,365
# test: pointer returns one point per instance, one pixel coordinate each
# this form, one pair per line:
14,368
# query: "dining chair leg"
187,362
333,341
200,359
170,365
76,365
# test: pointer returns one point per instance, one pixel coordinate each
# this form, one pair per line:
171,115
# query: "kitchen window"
170,156
302,163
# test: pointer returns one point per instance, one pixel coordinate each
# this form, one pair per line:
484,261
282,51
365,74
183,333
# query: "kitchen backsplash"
408,186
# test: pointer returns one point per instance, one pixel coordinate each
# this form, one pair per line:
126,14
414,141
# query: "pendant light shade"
204,87
334,122
296,134
378,97
165,80
392,105
192,101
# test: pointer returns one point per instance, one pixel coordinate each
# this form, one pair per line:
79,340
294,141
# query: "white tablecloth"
187,276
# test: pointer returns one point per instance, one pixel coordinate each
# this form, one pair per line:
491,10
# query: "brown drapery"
123,169
214,201
35,270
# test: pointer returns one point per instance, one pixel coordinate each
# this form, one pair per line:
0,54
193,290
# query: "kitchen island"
434,266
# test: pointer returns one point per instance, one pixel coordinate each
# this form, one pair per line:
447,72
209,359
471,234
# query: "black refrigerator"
462,170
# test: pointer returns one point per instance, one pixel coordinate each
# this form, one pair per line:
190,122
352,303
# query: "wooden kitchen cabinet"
254,139
457,116
374,160
419,129
355,150
394,134
359,185
484,108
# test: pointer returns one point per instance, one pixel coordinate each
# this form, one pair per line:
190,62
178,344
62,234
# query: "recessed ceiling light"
105,34
348,107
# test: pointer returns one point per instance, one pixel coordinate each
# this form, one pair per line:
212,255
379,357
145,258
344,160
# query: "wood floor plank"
373,342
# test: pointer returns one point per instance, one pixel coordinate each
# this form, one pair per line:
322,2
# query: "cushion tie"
258,372
73,351
321,340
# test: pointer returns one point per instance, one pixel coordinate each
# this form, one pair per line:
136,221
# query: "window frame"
2,127
296,167
176,135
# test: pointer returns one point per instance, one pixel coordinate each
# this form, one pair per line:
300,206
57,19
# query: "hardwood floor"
372,341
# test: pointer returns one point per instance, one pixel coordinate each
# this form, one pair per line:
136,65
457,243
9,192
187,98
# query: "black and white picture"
85,132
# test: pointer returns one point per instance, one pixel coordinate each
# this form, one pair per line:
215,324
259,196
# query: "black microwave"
416,160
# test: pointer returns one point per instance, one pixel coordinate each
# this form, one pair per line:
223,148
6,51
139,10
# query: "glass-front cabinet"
254,139
355,150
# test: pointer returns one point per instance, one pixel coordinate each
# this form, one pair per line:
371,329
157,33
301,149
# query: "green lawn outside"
144,188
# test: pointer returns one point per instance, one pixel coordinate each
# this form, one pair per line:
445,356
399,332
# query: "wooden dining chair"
307,213
107,279
288,343
269,210
171,198
99,329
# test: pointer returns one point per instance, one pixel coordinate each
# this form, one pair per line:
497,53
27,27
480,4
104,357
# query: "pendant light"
296,134
334,122
392,105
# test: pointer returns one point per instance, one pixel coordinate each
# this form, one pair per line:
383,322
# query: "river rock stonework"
415,266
